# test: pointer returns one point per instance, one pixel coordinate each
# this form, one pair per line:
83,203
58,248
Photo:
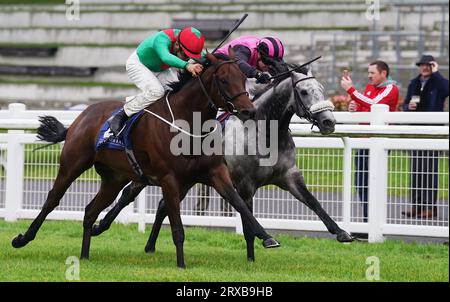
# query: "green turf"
210,255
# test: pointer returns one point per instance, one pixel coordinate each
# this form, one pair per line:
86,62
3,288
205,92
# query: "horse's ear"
231,52
211,58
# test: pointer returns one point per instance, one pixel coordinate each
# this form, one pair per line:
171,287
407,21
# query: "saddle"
107,140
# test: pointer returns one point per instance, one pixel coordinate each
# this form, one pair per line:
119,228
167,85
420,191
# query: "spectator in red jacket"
379,90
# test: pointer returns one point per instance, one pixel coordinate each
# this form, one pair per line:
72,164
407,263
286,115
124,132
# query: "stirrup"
120,118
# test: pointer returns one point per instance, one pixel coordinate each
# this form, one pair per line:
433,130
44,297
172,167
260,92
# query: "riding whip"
294,69
231,31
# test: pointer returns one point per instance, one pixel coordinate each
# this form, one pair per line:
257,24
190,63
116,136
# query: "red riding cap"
191,41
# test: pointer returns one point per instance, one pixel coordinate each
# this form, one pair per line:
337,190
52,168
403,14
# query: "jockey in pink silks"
256,55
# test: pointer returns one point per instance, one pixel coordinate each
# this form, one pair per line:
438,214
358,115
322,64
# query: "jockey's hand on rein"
194,69
262,78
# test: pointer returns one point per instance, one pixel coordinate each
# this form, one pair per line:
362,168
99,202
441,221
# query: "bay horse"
223,86
300,94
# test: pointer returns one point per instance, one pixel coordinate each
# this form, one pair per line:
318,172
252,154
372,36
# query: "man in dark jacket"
426,92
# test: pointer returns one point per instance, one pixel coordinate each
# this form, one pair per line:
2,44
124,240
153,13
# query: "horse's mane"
259,90
184,76
273,109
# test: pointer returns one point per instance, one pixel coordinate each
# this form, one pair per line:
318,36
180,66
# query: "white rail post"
378,113
141,210
378,157
239,227
346,183
14,168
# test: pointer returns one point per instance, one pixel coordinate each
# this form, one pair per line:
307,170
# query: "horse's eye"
303,92
224,81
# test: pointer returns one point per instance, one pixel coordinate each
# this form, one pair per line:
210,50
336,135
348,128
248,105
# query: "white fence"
386,186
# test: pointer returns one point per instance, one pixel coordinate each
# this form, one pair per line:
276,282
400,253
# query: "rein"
298,100
315,108
172,124
294,69
229,107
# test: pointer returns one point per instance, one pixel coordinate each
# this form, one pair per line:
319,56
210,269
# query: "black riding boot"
117,122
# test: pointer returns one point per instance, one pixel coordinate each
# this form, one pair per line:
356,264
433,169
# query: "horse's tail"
51,130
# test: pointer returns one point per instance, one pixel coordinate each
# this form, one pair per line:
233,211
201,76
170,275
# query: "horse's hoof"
270,243
149,249
251,259
19,241
182,266
343,236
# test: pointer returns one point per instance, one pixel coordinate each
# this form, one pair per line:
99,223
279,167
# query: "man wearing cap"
426,92
149,68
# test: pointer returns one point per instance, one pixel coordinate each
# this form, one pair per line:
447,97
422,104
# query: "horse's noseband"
228,100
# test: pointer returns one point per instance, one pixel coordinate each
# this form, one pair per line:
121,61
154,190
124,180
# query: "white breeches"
152,84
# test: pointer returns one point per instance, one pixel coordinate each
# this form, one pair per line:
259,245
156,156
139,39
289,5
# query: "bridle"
308,114
228,100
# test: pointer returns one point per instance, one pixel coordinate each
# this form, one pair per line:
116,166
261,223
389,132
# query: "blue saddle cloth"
106,138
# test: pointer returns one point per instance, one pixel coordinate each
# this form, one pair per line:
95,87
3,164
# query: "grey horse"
297,93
